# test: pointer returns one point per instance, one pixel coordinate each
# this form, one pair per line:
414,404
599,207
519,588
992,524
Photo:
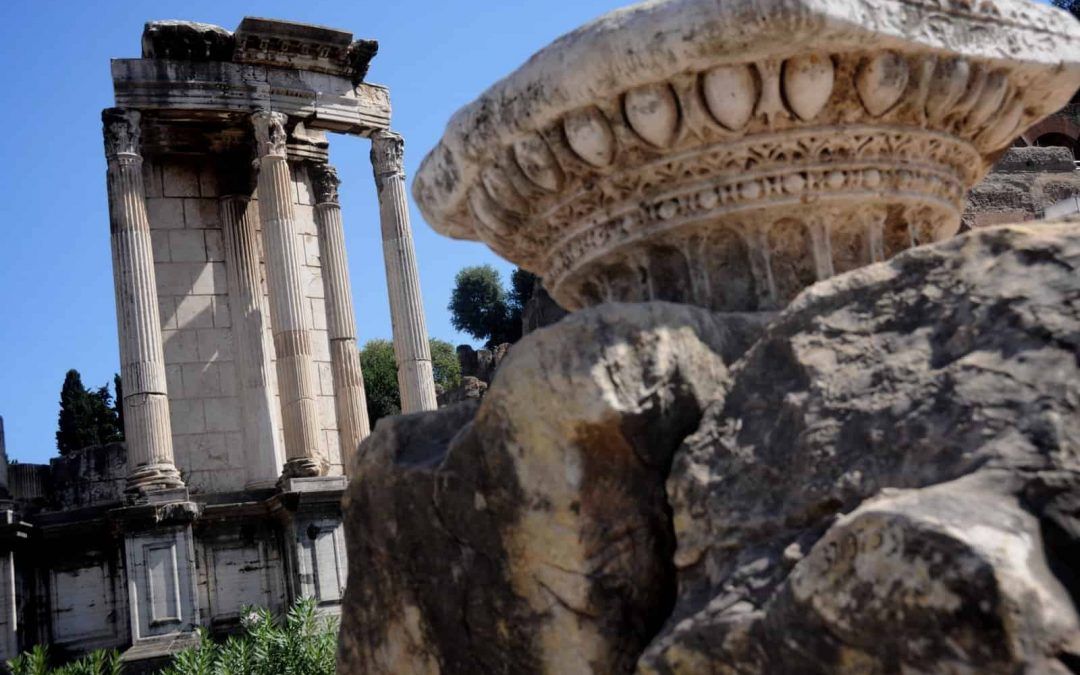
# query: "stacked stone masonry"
196,320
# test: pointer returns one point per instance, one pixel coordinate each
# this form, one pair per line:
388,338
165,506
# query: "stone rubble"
883,477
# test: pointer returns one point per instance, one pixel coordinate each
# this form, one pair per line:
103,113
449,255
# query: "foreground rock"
892,483
531,533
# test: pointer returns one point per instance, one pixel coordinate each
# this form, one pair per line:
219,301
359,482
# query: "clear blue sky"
56,295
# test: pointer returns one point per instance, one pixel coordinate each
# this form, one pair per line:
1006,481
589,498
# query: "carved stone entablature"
200,73
186,41
728,155
303,46
324,182
121,130
270,135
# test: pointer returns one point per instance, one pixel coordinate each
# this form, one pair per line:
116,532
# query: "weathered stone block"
215,344
222,414
201,380
194,311
949,373
202,213
531,533
181,346
181,179
215,249
187,246
165,213
173,278
209,279
187,416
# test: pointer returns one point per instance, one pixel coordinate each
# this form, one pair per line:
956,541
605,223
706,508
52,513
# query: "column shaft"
349,397
289,313
411,347
142,361
255,387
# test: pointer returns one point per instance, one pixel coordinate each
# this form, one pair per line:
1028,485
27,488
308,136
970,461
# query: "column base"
152,478
301,467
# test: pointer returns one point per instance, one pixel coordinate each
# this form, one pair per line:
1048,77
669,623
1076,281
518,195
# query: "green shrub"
303,643
36,662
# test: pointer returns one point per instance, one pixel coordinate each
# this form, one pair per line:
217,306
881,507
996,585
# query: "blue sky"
56,296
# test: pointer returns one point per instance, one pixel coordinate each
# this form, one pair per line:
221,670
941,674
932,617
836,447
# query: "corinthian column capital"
121,131
387,153
270,136
325,182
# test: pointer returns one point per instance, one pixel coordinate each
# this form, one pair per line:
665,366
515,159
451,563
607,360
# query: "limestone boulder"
531,532
891,483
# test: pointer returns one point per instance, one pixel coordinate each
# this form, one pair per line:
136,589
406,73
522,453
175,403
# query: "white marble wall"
182,202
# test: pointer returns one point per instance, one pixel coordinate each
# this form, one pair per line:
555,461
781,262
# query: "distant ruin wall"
1023,183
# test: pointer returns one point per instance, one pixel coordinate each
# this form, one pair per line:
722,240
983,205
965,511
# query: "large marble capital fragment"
728,154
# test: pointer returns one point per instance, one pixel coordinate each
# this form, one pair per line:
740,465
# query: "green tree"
445,364
478,303
118,404
380,379
380,374
522,285
86,417
481,307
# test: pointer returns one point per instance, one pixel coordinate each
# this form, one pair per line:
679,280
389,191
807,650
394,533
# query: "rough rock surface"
892,482
540,310
530,532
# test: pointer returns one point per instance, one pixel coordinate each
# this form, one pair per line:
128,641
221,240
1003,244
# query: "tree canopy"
380,374
483,308
87,417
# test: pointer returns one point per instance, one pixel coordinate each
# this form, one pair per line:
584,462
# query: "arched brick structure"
1062,128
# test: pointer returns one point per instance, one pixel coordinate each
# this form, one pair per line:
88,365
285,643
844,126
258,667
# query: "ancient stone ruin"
243,398
732,458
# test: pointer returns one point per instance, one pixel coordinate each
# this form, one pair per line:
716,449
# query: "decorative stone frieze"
728,155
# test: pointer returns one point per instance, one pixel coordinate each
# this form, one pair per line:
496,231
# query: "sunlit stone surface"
728,154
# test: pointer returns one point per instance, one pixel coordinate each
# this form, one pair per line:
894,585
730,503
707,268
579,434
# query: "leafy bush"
304,643
36,662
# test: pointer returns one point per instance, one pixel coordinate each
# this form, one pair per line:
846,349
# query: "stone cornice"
213,90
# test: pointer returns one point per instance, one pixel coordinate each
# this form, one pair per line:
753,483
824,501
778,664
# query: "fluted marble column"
349,398
142,361
289,314
251,344
415,378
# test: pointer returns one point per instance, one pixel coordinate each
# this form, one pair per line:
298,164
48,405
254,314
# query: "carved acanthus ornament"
122,134
324,182
387,153
737,159
270,135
